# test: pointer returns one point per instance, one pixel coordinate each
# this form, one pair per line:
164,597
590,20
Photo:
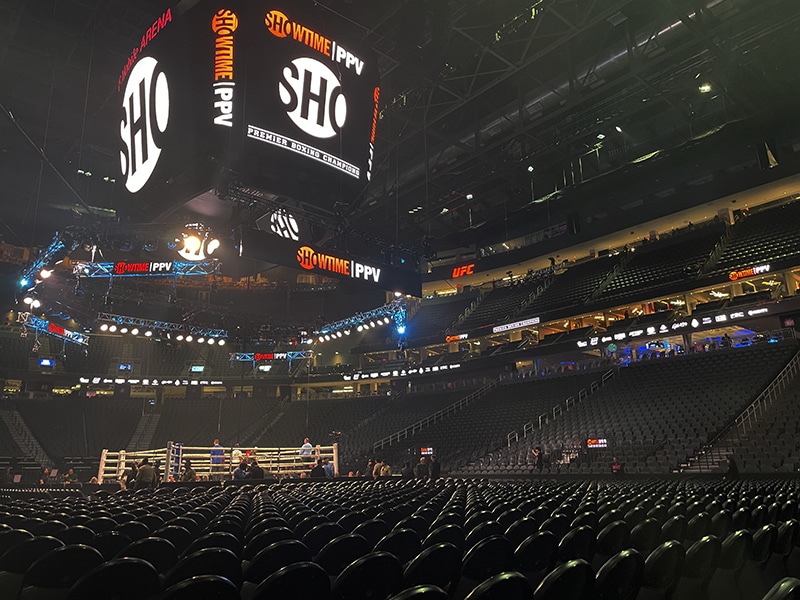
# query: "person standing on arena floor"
188,472
241,471
421,470
327,466
128,480
146,475
435,468
236,456
306,448
318,472
217,454
255,471
376,468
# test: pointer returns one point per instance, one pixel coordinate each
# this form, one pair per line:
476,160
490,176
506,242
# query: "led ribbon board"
51,329
146,269
282,92
260,245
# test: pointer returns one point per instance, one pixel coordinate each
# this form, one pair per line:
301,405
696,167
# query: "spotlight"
221,342
112,328
123,330
189,338
148,333
179,337
327,337
360,328
530,168
372,323
135,331
401,329
45,273
27,300
347,332
24,282
35,303
385,320
200,340
618,128
104,327
338,334
211,341
321,339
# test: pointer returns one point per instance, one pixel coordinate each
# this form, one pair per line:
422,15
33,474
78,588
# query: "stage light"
27,300
372,323
45,273
401,329
104,327
470,196
618,128
148,333
338,334
200,340
221,342
189,338
704,88
360,328
211,340
327,337
24,282
112,328
35,303
347,332
530,168
321,339
386,320
123,330
179,337
135,331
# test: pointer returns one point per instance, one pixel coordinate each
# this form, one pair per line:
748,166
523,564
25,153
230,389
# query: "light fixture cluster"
161,330
394,311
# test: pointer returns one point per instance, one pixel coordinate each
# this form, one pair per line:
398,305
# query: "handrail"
755,409
437,416
543,419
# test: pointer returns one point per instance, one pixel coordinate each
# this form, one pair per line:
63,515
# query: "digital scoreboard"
283,93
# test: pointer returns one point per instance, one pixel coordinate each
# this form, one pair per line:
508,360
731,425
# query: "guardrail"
437,416
278,462
558,409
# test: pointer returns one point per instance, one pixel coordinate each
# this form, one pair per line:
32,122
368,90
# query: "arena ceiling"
474,94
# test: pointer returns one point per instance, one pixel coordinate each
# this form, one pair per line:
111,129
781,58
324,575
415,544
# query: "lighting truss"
177,269
394,310
206,332
254,357
59,247
51,329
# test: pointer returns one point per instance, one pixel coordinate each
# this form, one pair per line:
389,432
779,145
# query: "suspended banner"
260,245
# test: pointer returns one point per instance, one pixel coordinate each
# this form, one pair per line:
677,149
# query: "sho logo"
313,97
145,117
285,225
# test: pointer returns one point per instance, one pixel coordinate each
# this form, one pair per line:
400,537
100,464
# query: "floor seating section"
398,539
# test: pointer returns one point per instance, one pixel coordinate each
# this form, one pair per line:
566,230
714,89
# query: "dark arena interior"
424,299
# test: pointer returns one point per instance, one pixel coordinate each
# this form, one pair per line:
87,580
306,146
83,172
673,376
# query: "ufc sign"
145,117
463,270
313,97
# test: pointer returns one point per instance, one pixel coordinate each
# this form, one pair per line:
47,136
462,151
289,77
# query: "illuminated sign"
262,245
757,270
310,259
224,23
285,225
259,356
456,338
516,325
582,344
463,270
757,311
47,362
147,37
145,108
144,268
597,443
